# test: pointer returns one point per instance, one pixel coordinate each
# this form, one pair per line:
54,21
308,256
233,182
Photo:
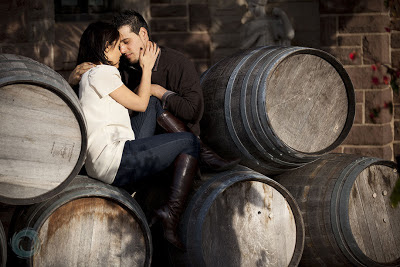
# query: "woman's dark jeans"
149,154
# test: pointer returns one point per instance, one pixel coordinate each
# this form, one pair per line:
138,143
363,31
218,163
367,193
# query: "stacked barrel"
281,110
59,218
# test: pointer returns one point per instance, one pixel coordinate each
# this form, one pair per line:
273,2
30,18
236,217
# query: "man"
174,81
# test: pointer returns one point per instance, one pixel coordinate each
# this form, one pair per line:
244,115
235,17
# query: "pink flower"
371,115
387,29
373,66
385,105
375,80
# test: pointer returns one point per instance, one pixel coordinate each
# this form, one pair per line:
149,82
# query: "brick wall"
27,29
356,33
182,25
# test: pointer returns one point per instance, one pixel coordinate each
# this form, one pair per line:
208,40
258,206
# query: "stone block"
160,1
363,24
397,130
343,54
369,135
199,17
382,152
307,39
396,97
396,149
41,30
349,40
225,40
350,6
396,58
14,28
376,48
395,40
358,119
67,36
359,94
41,52
169,25
158,11
396,111
338,149
40,9
365,77
376,99
328,31
194,45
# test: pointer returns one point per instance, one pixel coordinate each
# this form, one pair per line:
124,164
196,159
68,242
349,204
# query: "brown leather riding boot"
209,160
169,214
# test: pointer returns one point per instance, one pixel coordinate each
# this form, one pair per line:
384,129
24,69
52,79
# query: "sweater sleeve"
187,102
104,80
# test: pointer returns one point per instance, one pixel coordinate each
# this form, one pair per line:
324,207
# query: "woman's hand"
148,56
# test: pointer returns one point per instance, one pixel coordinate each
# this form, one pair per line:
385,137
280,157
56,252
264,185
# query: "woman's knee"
194,143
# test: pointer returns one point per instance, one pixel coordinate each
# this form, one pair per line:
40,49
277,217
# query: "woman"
121,149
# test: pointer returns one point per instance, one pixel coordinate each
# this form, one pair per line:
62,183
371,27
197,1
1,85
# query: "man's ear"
143,34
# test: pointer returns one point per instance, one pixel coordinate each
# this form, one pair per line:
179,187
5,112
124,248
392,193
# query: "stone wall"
206,31
356,32
27,29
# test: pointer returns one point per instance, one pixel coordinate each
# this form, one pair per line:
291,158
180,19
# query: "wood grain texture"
306,103
276,108
372,209
253,218
89,223
90,232
43,131
347,213
40,139
241,218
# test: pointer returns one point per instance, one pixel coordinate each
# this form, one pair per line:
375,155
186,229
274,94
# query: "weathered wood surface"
3,246
346,209
42,133
88,224
241,218
277,108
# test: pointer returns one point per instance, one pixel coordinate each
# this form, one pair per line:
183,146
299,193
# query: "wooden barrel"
241,218
88,224
42,133
3,246
346,209
275,107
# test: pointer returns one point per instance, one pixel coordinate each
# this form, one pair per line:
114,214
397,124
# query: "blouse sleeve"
105,80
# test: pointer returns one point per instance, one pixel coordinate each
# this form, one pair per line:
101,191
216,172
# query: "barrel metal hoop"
224,185
350,98
244,113
228,115
343,212
93,190
51,86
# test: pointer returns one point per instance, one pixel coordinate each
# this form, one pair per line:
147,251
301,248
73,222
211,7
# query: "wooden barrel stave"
89,223
333,194
233,218
239,91
43,133
3,246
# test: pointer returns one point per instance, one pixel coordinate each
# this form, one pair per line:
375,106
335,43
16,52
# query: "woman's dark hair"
94,41
131,18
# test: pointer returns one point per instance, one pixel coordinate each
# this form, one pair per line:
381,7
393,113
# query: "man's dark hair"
131,18
94,41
